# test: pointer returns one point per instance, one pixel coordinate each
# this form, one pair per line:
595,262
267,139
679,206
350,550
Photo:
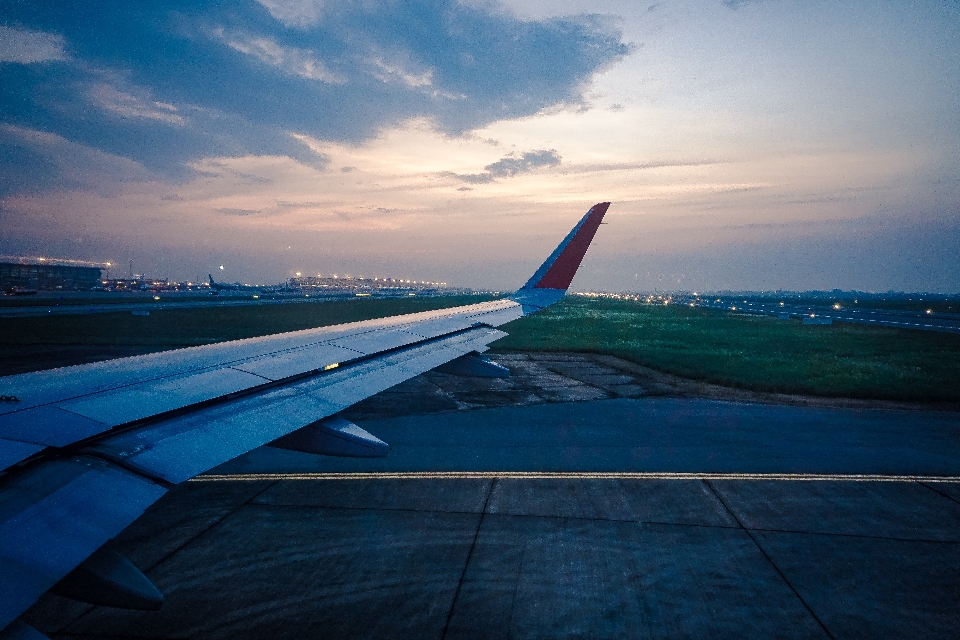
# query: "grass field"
168,328
751,352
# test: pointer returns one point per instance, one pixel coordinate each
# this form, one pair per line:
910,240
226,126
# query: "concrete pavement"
405,552
488,558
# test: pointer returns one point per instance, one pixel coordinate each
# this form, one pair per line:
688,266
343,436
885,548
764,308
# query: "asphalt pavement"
617,518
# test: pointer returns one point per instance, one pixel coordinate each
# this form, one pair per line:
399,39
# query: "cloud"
36,159
24,47
290,60
511,165
736,4
131,106
242,76
295,13
393,71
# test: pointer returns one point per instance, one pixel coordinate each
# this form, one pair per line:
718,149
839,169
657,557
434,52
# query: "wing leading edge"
90,447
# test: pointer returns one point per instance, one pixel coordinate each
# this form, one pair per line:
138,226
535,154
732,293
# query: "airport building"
47,276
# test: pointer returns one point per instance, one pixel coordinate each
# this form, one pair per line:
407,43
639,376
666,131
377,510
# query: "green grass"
751,352
166,328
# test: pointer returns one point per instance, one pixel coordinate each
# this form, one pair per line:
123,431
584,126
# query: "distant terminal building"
359,285
47,276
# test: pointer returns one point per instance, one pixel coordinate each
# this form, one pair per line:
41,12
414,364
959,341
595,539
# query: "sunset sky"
744,144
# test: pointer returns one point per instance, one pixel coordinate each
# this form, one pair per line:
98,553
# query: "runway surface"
144,306
926,321
649,434
611,540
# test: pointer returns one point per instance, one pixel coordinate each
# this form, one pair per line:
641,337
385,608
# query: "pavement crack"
769,559
937,491
466,565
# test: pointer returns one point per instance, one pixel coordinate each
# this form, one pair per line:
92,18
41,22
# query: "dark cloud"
511,165
166,82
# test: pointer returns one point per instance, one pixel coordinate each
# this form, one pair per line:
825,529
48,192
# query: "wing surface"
88,448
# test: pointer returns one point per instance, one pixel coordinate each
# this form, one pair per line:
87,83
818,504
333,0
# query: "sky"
744,144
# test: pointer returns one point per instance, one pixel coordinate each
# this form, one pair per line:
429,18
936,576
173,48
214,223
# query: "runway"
632,518
671,435
145,307
946,322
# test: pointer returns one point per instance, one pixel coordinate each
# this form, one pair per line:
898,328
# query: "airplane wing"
84,450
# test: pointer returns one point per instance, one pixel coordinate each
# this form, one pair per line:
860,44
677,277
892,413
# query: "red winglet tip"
565,267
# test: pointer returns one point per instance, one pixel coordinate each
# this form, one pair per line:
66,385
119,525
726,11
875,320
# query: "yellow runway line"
563,475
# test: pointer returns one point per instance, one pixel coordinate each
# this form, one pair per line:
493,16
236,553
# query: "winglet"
551,280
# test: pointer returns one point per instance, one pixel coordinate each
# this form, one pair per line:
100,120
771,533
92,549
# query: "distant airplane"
85,450
222,286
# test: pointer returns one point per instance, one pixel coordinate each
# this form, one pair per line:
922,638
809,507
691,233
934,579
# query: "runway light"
156,297
929,310
836,306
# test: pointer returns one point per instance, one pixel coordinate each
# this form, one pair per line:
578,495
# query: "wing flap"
12,451
314,357
152,398
49,426
56,514
184,446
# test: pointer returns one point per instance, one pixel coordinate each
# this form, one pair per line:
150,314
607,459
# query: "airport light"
929,310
